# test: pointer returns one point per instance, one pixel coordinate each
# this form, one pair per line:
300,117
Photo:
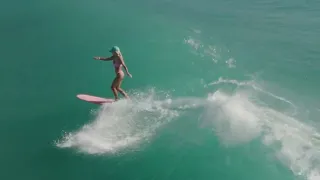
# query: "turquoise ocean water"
220,90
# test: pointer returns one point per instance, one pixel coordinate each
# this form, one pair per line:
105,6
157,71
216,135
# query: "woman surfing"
118,63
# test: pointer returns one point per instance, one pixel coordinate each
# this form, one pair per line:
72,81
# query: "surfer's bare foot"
123,93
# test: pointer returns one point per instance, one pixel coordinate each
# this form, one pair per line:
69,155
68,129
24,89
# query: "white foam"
213,52
236,119
196,44
233,118
231,63
256,87
121,125
231,81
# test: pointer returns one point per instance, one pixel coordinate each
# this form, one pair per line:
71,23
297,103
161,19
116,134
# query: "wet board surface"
94,99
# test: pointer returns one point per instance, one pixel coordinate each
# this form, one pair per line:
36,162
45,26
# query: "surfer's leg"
118,84
122,92
114,89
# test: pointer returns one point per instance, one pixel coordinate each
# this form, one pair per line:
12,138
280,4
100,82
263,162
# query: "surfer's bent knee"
118,89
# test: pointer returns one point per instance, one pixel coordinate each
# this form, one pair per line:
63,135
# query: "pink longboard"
94,99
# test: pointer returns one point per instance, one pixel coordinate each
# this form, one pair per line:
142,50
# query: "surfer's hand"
96,58
129,75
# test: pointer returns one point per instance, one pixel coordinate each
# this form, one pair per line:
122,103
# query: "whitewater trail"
120,125
234,118
242,117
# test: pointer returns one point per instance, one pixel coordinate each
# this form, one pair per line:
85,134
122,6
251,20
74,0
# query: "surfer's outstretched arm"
104,58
